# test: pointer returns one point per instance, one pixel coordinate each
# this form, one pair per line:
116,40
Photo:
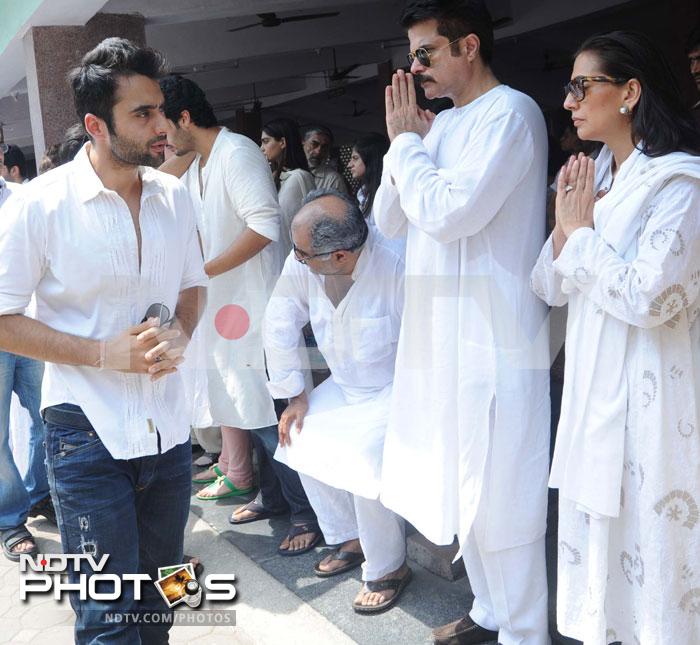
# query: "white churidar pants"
343,516
510,591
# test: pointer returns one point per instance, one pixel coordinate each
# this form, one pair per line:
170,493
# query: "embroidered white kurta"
238,193
358,339
629,569
473,347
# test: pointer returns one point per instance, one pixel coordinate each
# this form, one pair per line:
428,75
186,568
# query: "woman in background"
281,144
365,165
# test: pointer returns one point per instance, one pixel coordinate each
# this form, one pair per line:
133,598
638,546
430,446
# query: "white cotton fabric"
628,552
237,193
358,340
396,244
470,198
72,241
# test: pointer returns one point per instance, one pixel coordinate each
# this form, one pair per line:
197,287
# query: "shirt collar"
90,185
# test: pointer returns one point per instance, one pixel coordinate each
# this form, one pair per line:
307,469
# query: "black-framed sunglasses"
423,54
304,258
577,86
159,310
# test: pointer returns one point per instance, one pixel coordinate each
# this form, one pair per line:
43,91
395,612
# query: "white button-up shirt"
358,338
73,242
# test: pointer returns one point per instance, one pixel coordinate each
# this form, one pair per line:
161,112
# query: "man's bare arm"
248,245
28,337
189,309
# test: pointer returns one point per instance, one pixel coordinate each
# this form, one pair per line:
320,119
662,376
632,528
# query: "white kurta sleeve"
452,203
291,196
664,278
23,238
286,314
545,280
386,208
252,190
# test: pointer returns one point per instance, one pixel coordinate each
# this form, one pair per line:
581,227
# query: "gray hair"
329,233
317,128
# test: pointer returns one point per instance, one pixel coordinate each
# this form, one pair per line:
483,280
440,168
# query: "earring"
624,110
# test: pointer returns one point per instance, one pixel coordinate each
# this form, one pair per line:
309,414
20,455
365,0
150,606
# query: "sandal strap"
348,556
384,585
299,529
12,537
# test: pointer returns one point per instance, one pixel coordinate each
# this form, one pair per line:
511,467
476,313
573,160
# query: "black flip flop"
12,537
294,531
397,585
352,559
255,507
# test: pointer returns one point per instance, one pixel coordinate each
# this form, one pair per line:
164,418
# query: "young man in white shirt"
110,248
470,408
351,290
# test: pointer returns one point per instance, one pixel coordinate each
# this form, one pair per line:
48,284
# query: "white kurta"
358,338
629,556
472,364
295,185
238,193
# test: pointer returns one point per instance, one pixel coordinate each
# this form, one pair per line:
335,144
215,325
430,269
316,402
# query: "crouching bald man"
351,290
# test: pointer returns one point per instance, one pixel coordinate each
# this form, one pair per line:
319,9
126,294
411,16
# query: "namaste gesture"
402,111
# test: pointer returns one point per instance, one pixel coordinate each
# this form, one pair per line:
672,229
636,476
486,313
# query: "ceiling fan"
272,20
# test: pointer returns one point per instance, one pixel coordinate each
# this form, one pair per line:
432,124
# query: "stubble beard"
127,152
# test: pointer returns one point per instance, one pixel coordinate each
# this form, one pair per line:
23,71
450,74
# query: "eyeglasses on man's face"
577,86
424,54
304,257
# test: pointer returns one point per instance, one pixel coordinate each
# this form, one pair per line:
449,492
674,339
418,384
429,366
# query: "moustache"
156,140
423,78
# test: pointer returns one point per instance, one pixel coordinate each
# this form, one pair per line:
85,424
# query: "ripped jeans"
135,510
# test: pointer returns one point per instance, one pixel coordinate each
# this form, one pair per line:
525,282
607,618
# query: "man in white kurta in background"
238,218
318,140
351,290
467,446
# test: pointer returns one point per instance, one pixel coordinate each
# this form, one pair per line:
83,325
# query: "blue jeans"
280,486
23,376
135,510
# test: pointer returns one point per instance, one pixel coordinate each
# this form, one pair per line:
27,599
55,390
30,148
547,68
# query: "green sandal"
215,468
233,492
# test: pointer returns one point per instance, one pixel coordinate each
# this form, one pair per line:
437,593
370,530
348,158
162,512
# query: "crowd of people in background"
383,351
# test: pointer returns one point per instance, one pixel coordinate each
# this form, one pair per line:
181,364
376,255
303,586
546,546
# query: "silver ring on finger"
568,188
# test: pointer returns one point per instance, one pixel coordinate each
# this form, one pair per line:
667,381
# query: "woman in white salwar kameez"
625,255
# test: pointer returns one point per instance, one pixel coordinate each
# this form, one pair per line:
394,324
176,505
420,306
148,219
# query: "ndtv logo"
44,575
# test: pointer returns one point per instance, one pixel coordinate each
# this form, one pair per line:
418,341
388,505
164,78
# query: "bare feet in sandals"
369,599
331,562
301,538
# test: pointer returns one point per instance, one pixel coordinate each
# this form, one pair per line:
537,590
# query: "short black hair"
455,18
15,157
183,94
94,81
321,129
73,139
693,42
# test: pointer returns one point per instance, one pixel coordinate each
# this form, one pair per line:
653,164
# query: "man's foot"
463,632
300,539
208,476
221,488
17,541
379,595
337,561
252,512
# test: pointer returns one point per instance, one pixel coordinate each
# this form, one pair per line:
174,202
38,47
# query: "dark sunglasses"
159,310
577,86
422,54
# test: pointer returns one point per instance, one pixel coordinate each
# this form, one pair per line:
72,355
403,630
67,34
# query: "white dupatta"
589,455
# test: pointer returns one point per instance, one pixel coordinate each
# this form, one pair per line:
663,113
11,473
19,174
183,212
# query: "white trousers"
343,516
510,591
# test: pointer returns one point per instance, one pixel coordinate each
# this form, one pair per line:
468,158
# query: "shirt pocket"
371,338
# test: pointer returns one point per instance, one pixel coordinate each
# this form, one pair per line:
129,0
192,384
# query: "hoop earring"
624,110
